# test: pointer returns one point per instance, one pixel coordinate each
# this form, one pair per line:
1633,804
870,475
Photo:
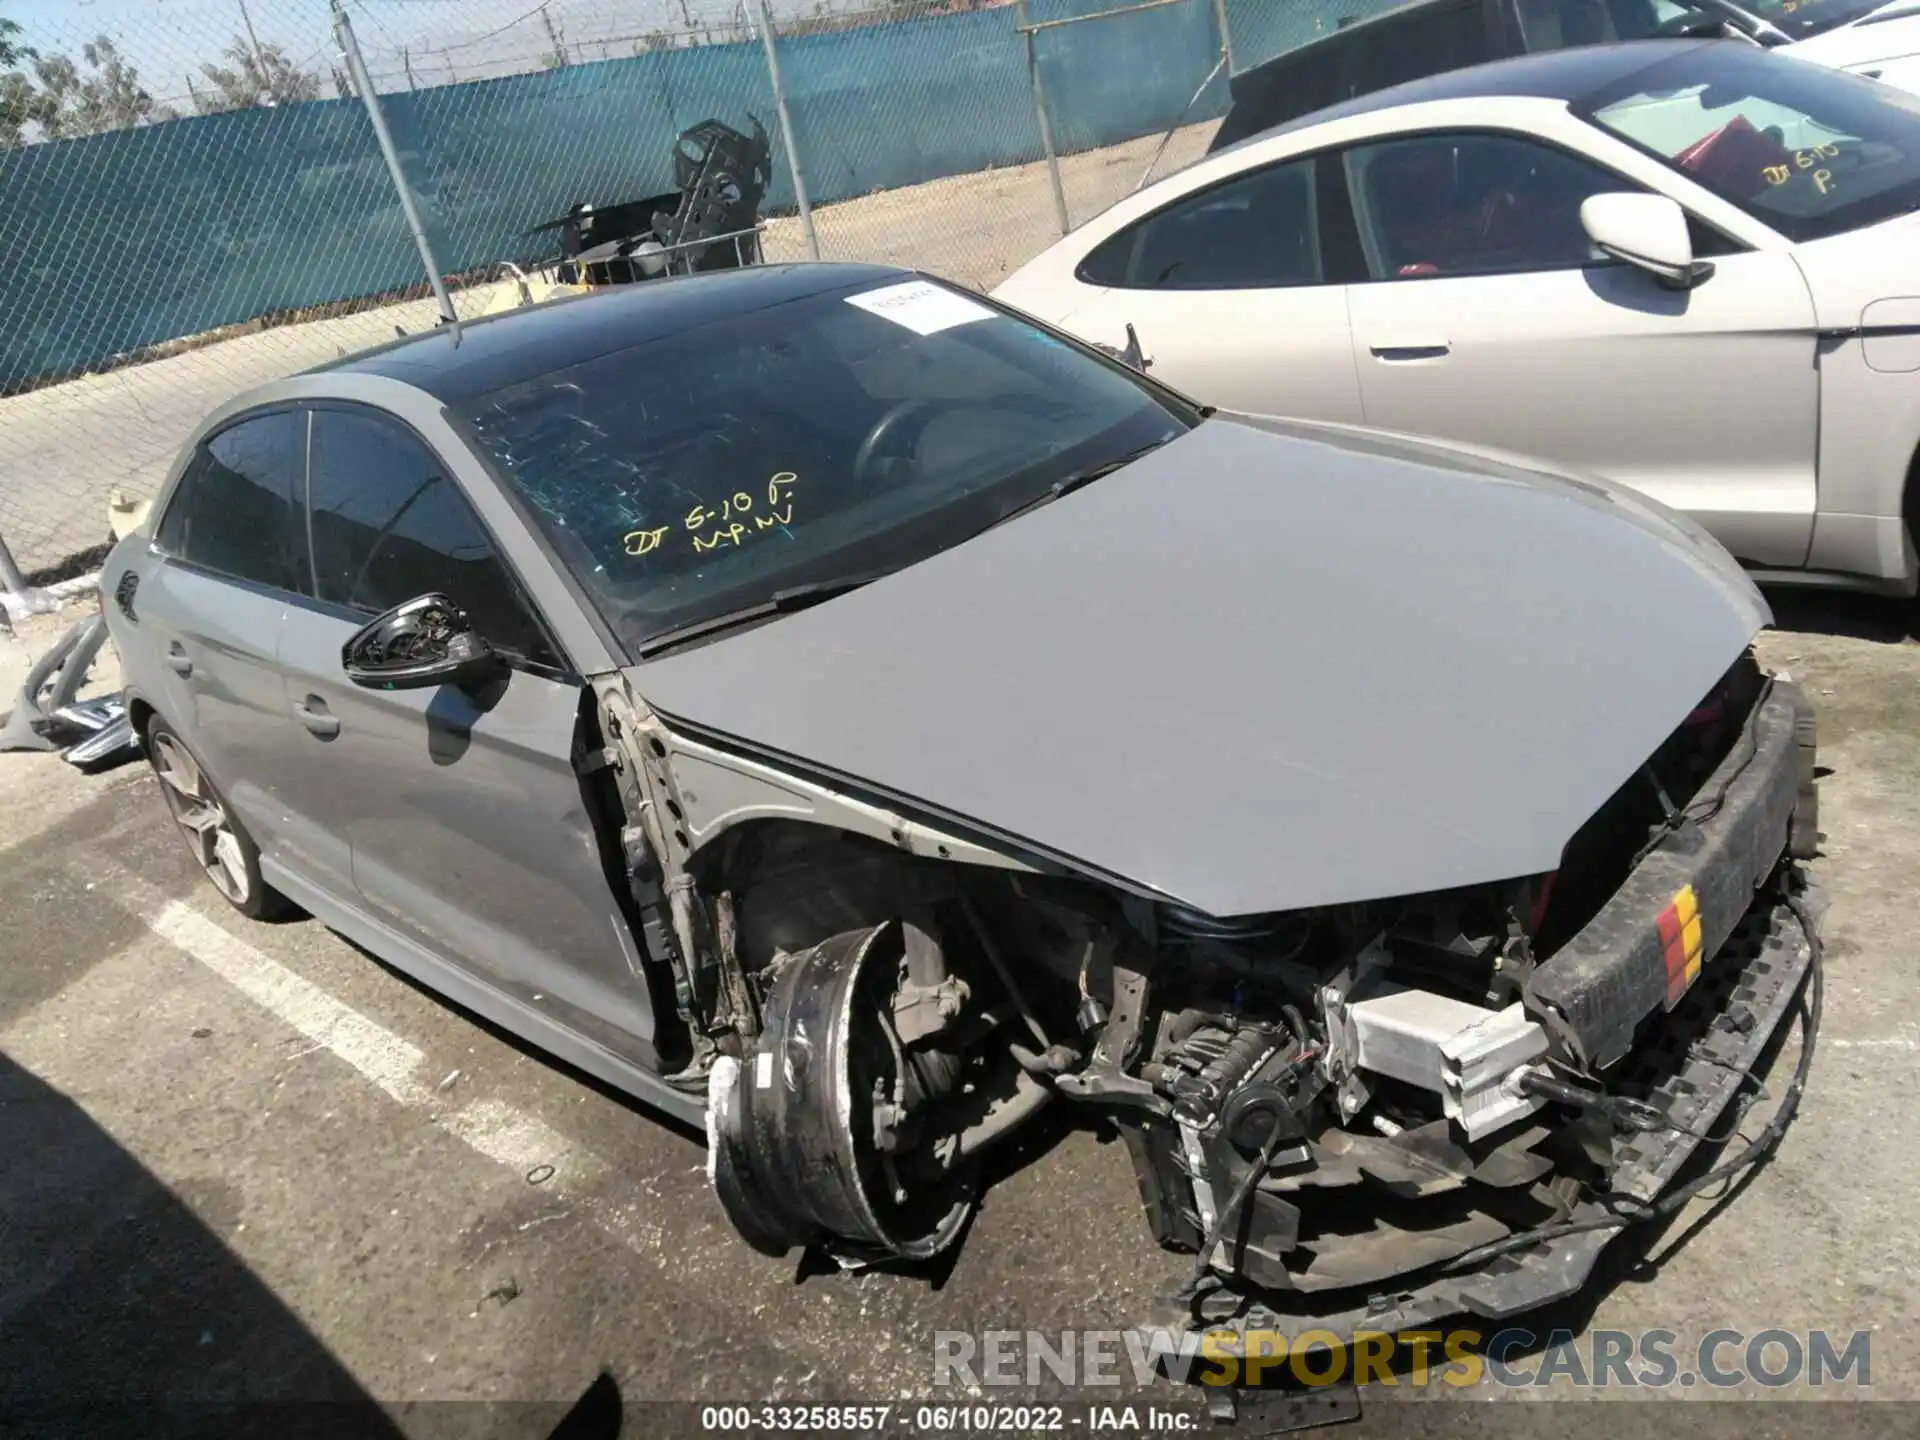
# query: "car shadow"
1847,613
122,1313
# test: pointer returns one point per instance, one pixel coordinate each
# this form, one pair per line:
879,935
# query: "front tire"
221,847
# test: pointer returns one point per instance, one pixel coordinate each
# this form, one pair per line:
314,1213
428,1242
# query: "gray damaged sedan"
856,719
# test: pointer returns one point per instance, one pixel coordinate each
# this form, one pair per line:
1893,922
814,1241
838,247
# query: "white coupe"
1691,266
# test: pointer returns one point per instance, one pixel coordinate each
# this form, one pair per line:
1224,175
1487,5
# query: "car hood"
1863,40
1268,665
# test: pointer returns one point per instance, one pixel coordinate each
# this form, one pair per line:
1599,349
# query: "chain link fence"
192,199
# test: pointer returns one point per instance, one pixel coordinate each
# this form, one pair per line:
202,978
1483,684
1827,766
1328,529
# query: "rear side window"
389,524
1428,40
1280,90
1562,24
1259,231
1425,38
236,509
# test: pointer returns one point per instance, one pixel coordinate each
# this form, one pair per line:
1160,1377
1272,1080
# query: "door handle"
178,660
315,716
1422,350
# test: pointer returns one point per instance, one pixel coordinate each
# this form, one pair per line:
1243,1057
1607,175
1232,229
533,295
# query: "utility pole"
1226,35
794,167
357,68
259,59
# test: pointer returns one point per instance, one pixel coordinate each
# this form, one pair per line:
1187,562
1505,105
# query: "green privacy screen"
124,240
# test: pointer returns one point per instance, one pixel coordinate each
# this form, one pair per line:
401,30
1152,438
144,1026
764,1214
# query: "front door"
1489,320
465,824
1227,294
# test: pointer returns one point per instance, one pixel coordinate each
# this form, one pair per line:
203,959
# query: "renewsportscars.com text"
1512,1357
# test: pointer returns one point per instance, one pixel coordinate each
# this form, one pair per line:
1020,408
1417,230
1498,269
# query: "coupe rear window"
842,434
1806,150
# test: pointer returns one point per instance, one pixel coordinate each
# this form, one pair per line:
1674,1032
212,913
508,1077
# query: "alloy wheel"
203,817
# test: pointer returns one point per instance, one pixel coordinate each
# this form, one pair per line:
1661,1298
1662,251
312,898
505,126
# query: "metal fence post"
357,69
21,600
1026,29
1226,35
765,22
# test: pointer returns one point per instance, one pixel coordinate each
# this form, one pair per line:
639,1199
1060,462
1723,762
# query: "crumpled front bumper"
1655,937
1672,993
1689,1066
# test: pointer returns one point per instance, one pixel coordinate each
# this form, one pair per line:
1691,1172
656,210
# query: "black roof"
505,349
1548,74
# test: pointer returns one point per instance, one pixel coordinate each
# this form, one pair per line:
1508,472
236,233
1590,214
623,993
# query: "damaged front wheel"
821,1134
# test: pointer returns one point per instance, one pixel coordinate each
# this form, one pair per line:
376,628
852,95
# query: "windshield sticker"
920,306
729,521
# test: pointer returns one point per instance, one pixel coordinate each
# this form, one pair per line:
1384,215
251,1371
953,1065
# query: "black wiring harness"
1678,817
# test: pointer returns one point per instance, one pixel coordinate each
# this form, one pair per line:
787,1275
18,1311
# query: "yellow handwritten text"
643,542
731,535
725,523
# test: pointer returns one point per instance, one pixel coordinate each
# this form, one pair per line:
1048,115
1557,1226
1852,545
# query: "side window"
1259,231
1426,40
1709,241
389,523
236,510
1283,89
1472,204
1561,24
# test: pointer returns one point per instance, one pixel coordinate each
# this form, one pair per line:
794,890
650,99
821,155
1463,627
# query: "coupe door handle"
178,660
316,717
1417,350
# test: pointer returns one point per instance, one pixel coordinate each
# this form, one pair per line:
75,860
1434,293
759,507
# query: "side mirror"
428,641
1132,357
1649,231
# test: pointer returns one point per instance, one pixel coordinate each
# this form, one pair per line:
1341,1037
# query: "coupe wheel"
215,837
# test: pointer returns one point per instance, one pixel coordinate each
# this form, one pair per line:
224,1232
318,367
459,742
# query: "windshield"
1809,151
838,435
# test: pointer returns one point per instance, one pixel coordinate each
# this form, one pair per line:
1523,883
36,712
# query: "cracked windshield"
840,435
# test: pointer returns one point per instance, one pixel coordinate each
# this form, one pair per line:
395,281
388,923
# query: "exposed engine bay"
1325,1108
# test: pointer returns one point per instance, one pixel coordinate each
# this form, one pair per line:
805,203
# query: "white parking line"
508,1136
377,1053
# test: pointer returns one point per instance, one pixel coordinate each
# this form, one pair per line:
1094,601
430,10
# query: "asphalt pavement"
247,1163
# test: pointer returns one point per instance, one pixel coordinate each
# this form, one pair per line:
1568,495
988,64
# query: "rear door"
460,814
1229,297
1487,317
232,552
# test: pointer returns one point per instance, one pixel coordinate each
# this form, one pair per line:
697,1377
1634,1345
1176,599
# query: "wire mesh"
192,201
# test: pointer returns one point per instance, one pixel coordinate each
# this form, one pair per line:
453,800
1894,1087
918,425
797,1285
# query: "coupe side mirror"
1648,231
427,641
